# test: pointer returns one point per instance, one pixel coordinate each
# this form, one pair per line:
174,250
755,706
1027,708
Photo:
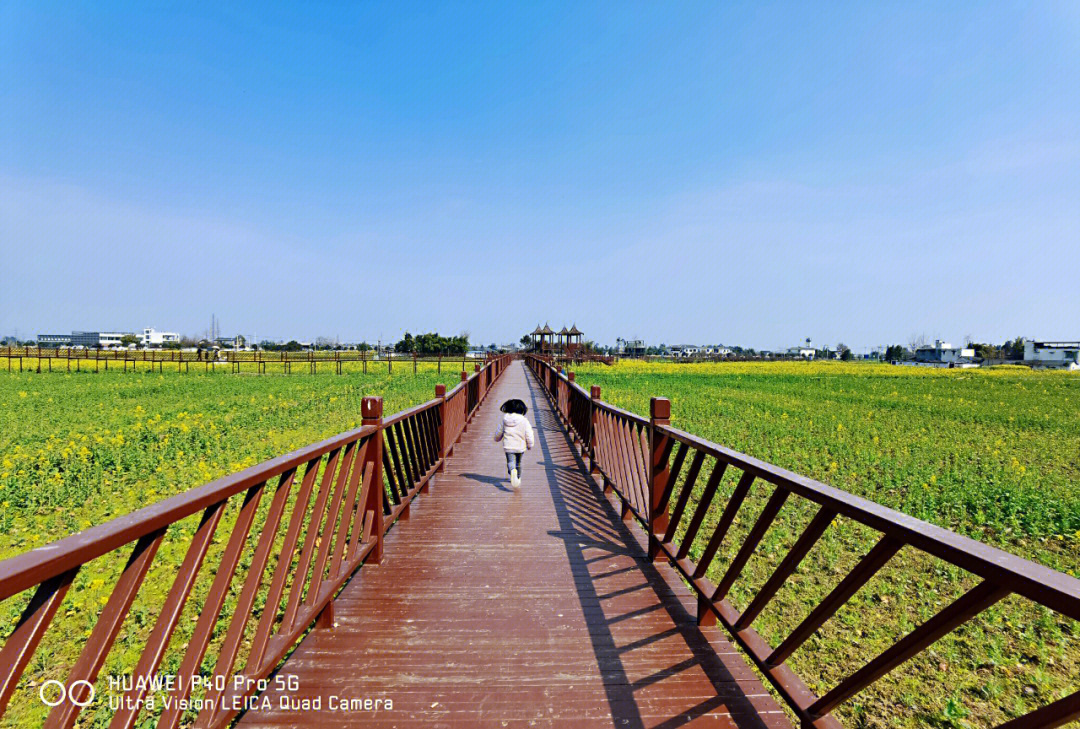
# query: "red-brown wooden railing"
362,481
641,460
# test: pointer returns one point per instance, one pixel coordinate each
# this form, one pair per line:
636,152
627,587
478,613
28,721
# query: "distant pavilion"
565,341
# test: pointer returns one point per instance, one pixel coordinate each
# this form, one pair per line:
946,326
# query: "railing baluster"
300,576
403,476
401,450
419,429
799,550
348,512
431,435
410,453
607,452
702,508
642,456
211,609
956,614
1056,714
333,514
636,482
281,572
434,424
633,477
171,610
593,443
106,629
24,640
673,474
252,581
361,506
388,469
764,521
684,495
620,460
639,474
867,567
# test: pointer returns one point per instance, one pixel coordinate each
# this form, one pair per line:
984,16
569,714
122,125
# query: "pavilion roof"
537,331
547,330
564,331
574,330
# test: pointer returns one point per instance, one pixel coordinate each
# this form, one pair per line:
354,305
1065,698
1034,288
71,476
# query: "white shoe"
515,482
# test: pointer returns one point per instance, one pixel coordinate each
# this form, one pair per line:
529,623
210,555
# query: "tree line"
1012,349
432,343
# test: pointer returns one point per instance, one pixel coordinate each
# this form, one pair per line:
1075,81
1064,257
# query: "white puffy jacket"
515,433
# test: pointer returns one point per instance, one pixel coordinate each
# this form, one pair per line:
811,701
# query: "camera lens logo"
64,693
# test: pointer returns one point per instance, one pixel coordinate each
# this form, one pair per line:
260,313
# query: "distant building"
84,339
943,353
237,342
93,340
806,351
152,338
112,339
685,350
54,340
1052,354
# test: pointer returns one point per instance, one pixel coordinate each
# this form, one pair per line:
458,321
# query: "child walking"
516,435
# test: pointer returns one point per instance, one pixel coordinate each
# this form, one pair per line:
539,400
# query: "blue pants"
513,460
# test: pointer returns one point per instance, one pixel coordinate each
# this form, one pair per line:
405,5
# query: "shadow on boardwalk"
583,530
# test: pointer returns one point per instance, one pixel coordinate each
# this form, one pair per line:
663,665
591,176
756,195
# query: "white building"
1052,354
806,351
684,350
111,339
943,353
153,338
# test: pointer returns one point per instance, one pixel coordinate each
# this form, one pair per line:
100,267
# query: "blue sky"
741,173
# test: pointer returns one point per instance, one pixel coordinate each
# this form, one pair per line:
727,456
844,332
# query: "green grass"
990,454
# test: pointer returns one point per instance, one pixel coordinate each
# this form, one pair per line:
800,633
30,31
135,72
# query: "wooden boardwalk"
538,608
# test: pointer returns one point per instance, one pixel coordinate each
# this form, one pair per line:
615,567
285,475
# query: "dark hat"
514,405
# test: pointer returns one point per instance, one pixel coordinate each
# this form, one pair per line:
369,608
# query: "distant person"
516,435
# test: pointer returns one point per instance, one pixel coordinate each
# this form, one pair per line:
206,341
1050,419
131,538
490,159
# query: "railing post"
659,414
569,396
594,427
371,409
705,615
444,447
465,379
